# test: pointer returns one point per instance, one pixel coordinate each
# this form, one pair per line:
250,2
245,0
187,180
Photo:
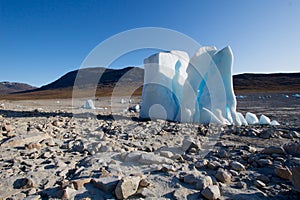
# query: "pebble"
214,165
283,172
33,145
223,176
237,166
144,183
204,182
263,178
23,183
259,184
241,185
264,162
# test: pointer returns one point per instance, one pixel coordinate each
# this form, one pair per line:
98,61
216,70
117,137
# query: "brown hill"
125,81
279,82
11,87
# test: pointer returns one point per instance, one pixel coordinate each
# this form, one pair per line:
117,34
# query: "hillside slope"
11,87
131,79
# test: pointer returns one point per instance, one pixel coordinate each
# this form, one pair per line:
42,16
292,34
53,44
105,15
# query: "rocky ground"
49,153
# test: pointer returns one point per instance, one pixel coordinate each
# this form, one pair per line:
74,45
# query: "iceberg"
196,90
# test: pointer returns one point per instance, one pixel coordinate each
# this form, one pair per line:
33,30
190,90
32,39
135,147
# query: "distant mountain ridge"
267,82
133,77
11,87
89,76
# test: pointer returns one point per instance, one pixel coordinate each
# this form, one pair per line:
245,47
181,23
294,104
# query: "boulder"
107,184
127,187
211,192
223,176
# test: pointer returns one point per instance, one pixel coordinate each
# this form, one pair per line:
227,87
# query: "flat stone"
133,156
181,193
259,184
25,139
147,193
151,158
237,166
274,149
283,172
264,162
190,179
107,184
127,187
79,183
211,192
167,154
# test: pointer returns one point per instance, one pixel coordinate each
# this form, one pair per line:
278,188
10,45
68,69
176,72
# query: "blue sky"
41,40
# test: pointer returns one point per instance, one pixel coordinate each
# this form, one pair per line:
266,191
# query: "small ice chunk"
274,123
123,101
241,97
135,108
251,118
264,120
89,104
242,118
296,95
286,96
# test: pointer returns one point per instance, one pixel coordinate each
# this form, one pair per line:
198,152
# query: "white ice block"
251,118
89,104
242,119
198,90
264,120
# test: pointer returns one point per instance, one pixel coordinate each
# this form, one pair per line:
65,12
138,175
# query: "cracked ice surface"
197,89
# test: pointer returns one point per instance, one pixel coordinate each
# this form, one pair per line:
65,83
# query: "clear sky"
41,40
